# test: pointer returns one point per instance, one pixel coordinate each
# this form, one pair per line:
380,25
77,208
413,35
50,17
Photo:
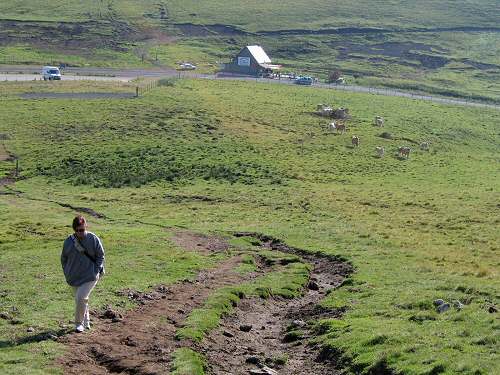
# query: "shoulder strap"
81,249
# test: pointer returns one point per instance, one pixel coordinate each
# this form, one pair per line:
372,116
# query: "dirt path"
142,341
268,343
277,340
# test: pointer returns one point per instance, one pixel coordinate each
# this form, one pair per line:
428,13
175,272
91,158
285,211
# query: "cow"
379,121
404,152
424,146
380,151
355,140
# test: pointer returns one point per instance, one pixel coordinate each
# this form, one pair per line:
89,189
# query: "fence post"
17,168
136,91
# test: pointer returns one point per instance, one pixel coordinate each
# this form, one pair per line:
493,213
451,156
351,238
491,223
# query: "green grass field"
416,230
260,15
446,48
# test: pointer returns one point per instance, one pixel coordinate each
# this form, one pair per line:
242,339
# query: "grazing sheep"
341,113
379,121
324,110
424,146
340,128
380,151
404,152
355,140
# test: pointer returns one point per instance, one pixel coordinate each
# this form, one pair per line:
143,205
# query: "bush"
334,76
386,135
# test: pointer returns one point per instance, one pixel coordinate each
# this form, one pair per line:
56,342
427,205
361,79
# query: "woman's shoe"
79,328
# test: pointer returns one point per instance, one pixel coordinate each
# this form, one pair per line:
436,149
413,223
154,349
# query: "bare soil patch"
390,49
374,30
142,341
408,53
69,36
200,242
86,210
280,328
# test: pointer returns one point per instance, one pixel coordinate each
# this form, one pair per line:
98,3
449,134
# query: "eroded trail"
143,340
277,340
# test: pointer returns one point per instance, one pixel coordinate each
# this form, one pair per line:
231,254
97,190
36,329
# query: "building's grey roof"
259,54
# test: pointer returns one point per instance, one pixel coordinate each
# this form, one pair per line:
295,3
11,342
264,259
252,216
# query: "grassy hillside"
72,10
441,47
261,15
416,230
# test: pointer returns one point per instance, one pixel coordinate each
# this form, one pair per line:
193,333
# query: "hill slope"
235,156
446,47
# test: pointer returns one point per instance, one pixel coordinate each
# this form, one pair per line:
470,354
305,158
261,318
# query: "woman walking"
82,260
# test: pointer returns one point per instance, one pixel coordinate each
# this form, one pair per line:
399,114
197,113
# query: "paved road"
68,77
30,73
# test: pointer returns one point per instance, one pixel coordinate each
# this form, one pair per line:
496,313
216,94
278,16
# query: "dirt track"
142,341
272,320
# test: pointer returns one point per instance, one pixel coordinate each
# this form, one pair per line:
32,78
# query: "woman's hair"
78,220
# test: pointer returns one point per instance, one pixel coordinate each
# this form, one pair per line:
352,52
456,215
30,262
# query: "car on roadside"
307,81
51,73
187,66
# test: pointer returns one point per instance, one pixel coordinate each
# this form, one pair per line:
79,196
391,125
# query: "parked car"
308,81
51,73
187,66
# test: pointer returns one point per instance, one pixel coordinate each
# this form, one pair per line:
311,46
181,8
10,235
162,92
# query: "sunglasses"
81,230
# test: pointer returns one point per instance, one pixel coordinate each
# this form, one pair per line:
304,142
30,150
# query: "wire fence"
382,91
389,92
146,87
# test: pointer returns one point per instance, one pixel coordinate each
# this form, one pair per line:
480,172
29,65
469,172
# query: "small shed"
252,60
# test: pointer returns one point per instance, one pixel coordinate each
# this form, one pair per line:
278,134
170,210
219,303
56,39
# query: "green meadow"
448,48
415,230
261,15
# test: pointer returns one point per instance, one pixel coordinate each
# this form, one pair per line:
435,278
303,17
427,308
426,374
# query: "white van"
51,73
